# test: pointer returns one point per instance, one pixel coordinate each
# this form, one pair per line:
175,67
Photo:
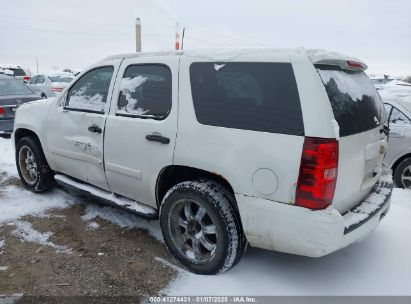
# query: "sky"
76,33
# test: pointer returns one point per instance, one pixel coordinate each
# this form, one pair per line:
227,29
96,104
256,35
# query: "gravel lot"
60,253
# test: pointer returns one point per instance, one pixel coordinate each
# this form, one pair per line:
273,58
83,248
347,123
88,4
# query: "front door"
76,123
141,127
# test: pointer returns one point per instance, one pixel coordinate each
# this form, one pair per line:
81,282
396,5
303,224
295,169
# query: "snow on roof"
316,55
9,66
142,54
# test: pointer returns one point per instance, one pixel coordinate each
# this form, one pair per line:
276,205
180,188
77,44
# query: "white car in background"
50,85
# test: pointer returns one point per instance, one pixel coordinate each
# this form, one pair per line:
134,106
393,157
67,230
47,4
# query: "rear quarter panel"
236,154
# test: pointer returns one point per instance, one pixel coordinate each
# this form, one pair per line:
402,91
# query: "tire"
200,215
43,96
402,174
32,166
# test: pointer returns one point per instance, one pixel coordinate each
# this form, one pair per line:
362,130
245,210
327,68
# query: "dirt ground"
107,261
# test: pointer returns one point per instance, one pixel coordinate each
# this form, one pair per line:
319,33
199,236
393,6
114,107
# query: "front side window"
40,80
398,119
90,92
145,92
33,79
253,96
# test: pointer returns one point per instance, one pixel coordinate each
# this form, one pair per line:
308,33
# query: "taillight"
2,112
318,173
26,78
57,89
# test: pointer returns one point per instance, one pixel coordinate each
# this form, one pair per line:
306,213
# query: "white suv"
281,149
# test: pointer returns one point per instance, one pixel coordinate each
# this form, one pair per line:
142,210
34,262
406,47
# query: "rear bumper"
292,229
6,125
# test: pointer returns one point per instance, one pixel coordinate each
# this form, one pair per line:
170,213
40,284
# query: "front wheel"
32,166
201,228
402,174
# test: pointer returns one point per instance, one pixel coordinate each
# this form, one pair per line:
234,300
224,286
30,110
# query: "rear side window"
354,100
247,95
145,92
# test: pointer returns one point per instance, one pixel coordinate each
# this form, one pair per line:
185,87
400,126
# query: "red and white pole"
177,37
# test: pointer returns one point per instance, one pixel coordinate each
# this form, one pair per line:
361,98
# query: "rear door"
142,125
76,124
361,117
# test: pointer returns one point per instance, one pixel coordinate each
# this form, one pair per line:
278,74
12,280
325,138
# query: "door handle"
158,138
94,129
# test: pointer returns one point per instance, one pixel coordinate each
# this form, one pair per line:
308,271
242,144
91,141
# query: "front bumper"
6,125
292,229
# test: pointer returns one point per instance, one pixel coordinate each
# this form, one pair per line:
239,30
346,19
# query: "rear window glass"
354,100
13,87
247,95
60,79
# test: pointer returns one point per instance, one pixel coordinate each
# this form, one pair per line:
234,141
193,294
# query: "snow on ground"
93,226
16,202
122,219
7,157
25,232
379,265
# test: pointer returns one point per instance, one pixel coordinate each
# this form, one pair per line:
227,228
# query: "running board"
108,197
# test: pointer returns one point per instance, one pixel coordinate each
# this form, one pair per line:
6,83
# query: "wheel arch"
399,160
172,175
23,132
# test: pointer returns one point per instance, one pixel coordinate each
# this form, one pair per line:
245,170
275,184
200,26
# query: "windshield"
354,100
13,87
60,79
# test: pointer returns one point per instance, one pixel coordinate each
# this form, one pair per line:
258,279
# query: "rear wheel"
201,228
402,174
32,166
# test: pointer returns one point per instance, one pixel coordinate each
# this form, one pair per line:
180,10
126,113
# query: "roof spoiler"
332,58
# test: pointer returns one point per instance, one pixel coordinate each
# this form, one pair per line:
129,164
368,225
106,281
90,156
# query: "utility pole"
37,65
138,35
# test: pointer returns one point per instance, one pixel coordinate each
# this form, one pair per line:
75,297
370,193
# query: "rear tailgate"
361,119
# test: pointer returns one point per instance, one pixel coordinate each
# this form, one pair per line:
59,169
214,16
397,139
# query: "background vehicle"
6,72
280,148
13,93
50,85
398,156
18,72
